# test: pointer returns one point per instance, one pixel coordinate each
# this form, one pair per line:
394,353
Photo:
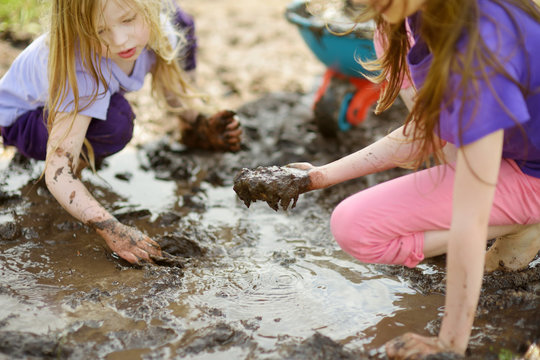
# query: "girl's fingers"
412,346
233,135
233,124
400,347
149,247
301,165
227,114
152,243
129,257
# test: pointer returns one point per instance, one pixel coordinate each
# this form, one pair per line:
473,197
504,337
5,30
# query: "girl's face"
393,11
123,32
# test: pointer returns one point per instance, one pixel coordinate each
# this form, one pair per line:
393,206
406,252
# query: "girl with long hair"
62,100
475,126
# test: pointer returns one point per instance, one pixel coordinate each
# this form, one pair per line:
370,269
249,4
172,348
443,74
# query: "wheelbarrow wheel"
326,110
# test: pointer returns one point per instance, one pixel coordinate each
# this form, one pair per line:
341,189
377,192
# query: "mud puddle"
257,284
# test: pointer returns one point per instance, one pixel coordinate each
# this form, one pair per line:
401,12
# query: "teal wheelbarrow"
345,95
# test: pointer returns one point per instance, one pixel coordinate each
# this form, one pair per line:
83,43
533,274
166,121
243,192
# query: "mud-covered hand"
414,346
314,174
274,184
219,132
128,242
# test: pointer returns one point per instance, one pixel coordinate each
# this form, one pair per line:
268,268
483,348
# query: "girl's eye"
130,19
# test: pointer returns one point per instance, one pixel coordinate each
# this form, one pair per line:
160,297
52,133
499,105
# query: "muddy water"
256,284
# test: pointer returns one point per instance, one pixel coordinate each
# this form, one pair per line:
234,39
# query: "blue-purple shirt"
485,115
25,85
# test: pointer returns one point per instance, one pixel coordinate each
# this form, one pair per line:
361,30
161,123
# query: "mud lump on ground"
253,283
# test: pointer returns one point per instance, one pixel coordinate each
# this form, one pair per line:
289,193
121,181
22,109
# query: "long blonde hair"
443,23
73,34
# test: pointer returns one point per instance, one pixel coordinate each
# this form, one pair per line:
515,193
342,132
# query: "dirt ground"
256,283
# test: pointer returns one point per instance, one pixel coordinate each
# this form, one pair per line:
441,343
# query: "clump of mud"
320,347
273,184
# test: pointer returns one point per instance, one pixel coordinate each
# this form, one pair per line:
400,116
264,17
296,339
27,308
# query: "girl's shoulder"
35,56
504,16
507,30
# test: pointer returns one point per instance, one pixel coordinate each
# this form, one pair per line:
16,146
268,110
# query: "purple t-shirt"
484,115
25,85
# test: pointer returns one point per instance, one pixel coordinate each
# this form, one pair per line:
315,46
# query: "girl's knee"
28,134
112,135
361,237
346,228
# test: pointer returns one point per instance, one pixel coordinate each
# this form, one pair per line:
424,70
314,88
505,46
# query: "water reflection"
278,273
292,288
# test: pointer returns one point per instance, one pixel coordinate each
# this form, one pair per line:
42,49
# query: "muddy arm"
63,150
389,152
63,158
477,169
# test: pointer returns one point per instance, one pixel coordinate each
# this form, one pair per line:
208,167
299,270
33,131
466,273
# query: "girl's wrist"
317,178
450,346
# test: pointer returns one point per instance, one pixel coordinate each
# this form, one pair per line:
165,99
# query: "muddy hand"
166,259
311,171
413,346
219,132
228,129
273,184
128,242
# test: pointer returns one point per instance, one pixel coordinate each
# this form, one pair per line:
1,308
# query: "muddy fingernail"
155,246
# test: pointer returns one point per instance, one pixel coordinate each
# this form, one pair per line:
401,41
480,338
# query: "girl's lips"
127,54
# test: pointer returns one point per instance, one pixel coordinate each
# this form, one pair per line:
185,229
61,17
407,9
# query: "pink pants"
385,224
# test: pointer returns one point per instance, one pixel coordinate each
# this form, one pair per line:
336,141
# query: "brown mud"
277,185
253,283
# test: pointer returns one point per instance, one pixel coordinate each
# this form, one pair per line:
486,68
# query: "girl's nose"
118,37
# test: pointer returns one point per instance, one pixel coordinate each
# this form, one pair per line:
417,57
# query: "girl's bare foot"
514,251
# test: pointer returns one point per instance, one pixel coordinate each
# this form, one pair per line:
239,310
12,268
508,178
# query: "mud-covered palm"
414,347
128,242
219,132
310,173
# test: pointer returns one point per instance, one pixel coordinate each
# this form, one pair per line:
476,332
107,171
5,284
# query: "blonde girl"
62,100
476,113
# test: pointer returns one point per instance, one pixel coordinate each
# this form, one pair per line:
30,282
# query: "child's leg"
387,223
110,136
28,134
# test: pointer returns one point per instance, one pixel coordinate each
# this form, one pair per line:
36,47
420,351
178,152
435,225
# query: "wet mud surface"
253,283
